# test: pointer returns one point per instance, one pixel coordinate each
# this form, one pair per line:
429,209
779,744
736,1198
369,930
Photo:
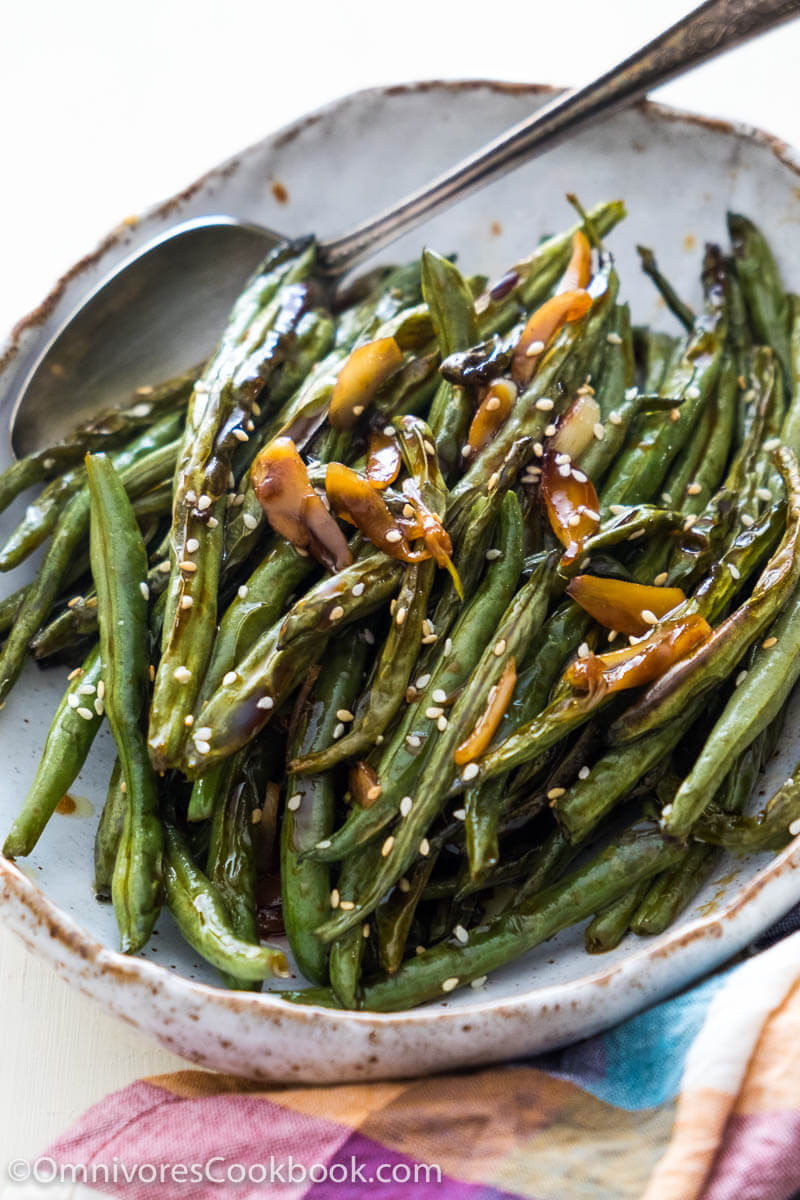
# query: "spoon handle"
705,32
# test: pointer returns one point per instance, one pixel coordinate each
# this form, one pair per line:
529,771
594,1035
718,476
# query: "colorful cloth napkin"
697,1097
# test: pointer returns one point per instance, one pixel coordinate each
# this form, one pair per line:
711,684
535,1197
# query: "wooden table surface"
61,1053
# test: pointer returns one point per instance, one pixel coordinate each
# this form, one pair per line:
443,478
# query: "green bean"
119,567
606,930
309,815
763,291
790,431
393,918
674,303
452,310
109,832
671,891
10,606
337,600
203,919
69,740
619,400
770,829
445,967
390,681
255,341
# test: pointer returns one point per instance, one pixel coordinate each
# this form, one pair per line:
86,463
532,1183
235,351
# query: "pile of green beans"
289,731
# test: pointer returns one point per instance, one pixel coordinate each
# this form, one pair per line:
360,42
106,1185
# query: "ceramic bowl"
678,174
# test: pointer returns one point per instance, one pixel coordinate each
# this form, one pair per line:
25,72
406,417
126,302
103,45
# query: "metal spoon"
162,310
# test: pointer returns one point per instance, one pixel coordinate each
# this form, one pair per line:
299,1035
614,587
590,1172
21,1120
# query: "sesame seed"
336,613
493,404
493,481
238,500
164,566
265,702
448,646
249,521
614,417
73,701
182,674
449,984
87,689
186,602
379,740
404,885
538,449
674,414
240,435
188,567
424,847
204,502
369,637
429,446
228,678
631,393
413,741
772,443
422,681
188,721
358,589
491,555
574,520
386,848
459,814
358,410
75,673
344,714
471,770
599,431
660,579
746,520
768,643
688,523
231,479
408,511
294,802
666,497
794,828
763,493
394,535
439,696
545,404
649,617
48,463
479,982
324,844
101,689
693,392
579,476
192,544
563,458
583,650
75,600
203,732
365,929
613,634
202,747
555,792
334,898
534,348
441,724
144,589
388,431
734,570
338,730
347,905
565,471
249,425
617,509
401,615
694,489
740,678
466,450
151,672
99,707
433,713
460,934
583,773
405,806
191,496
429,639
86,713
499,648
374,792
549,431
590,513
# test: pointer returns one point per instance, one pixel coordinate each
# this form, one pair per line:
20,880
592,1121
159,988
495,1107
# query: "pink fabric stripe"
759,1159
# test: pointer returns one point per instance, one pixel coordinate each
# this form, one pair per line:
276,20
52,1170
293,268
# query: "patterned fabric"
698,1097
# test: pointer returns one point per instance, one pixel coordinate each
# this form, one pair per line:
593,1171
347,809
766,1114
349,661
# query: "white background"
107,108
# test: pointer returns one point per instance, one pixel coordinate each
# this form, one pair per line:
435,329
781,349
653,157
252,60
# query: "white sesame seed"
249,521
369,637
164,567
660,579
499,648
579,476
433,713
202,747
404,885
87,689
346,905
555,792
674,414
459,814
334,898
231,480
693,392
494,479
449,984
265,702
439,696
772,443
401,615
420,950
394,535
294,802
538,449
583,650
694,489
338,730
534,348
192,544
688,523
365,929
549,431
441,724
48,463
614,417
86,713
631,393
666,497
491,555
599,431
374,792
460,934
424,847
564,472
794,828
768,643
422,681
101,689
240,435
493,404
188,567
144,589
188,721
479,982
358,589
413,741
388,431
466,450
471,770
75,673
734,570
545,404
574,520
324,844
405,806
191,496
429,639
186,602
448,646
182,674
740,678
358,410
238,500
73,701
386,848
336,613
344,714
613,339
228,678
649,617
763,493
204,502
563,458
746,520
429,446
583,773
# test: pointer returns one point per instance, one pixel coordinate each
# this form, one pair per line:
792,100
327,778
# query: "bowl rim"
70,942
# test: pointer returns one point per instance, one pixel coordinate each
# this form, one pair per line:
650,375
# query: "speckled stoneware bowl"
678,174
